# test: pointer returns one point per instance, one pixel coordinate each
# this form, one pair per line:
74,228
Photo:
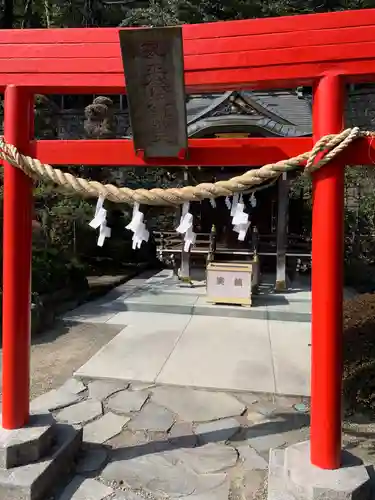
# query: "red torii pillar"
17,243
327,281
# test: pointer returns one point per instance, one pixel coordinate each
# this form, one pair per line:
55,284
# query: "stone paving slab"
125,402
158,307
204,308
202,348
176,288
212,353
197,406
91,460
101,390
156,474
105,428
166,298
54,400
136,354
80,413
251,459
206,352
145,319
86,489
222,354
291,366
153,418
219,430
73,386
91,313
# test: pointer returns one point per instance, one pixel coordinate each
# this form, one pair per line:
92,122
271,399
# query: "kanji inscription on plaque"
154,73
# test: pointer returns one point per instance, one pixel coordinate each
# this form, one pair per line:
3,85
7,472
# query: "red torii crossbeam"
326,51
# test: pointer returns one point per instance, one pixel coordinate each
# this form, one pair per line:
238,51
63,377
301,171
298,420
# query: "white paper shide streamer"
253,200
138,227
186,227
240,219
100,221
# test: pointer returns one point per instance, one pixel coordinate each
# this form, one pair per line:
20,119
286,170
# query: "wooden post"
282,230
17,234
185,263
327,282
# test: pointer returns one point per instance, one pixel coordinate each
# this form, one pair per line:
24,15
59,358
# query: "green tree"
171,12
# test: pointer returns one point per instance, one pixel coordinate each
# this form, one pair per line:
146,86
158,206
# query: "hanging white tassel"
138,227
228,203
242,230
189,239
235,199
100,221
186,227
213,202
240,219
253,200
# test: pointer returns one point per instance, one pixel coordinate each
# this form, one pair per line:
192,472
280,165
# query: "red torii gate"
326,51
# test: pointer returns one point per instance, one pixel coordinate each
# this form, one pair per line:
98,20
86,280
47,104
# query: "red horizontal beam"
250,152
268,77
224,152
269,26
336,36
298,23
260,53
351,52
251,60
234,44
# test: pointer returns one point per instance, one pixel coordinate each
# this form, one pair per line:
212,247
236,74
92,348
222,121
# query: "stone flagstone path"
156,442
142,441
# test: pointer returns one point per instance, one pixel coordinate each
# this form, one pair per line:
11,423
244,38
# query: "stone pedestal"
291,476
34,459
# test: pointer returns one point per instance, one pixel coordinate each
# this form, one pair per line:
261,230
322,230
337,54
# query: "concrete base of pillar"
280,286
28,444
35,459
291,476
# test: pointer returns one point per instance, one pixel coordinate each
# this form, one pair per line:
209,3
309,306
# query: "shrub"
359,352
360,276
52,271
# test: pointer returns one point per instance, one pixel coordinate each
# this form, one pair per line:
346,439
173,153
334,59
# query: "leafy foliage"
77,13
53,271
171,12
359,353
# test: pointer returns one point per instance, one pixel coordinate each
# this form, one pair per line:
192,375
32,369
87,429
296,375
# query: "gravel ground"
60,351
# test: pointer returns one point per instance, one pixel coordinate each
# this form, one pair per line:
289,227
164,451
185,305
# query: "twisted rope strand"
328,147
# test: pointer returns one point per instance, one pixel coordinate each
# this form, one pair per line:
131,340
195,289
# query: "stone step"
291,476
276,477
36,481
28,444
218,310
